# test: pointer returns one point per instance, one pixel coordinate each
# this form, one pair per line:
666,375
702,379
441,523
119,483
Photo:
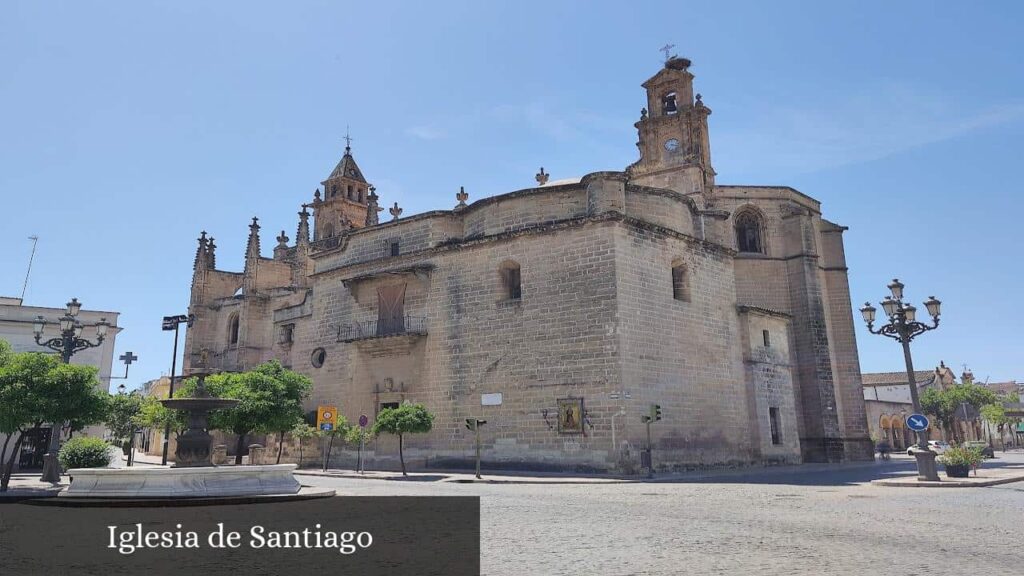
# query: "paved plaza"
817,520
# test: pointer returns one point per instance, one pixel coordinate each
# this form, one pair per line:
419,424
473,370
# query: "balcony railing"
325,243
382,328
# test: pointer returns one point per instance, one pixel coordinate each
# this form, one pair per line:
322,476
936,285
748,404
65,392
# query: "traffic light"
655,413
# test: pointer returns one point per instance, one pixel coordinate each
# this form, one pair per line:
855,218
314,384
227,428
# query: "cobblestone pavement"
793,523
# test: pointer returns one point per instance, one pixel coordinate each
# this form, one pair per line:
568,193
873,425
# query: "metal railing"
325,243
382,328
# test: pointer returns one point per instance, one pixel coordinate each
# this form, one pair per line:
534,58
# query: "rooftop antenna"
35,240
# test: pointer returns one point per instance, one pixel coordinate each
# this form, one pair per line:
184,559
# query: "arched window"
350,197
328,230
749,227
511,280
233,329
680,282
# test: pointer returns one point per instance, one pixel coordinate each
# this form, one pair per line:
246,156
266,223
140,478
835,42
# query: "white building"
16,327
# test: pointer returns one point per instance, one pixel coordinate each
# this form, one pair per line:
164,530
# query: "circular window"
318,357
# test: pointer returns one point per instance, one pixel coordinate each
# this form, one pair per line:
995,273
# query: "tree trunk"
239,448
401,457
280,445
5,477
300,452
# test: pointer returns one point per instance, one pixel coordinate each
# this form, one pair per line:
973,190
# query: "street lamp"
67,344
172,323
903,327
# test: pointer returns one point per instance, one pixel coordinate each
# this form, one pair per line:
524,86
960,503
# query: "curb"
910,483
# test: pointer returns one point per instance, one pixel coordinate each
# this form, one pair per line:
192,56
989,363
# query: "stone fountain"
195,444
193,475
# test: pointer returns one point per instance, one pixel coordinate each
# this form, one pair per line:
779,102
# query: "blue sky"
127,127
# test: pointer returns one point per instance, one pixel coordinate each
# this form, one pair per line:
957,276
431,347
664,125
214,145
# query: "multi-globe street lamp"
903,327
66,344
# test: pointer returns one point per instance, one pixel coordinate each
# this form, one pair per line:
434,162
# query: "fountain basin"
201,482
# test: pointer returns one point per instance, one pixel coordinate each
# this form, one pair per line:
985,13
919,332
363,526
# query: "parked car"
986,450
937,446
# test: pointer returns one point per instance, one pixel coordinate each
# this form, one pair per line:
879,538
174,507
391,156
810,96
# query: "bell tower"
346,195
674,148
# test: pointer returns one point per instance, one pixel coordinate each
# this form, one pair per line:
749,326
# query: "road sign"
363,420
326,417
917,422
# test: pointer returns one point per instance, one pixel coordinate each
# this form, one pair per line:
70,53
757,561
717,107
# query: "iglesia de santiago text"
568,309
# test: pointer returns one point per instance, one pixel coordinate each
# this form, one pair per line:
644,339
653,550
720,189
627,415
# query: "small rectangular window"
386,405
679,287
767,338
394,248
773,417
287,333
515,287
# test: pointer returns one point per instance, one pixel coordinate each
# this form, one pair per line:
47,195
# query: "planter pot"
957,470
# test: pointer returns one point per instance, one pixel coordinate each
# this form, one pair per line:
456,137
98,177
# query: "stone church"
564,313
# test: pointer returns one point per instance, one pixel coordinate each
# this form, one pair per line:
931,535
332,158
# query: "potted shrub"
84,452
959,460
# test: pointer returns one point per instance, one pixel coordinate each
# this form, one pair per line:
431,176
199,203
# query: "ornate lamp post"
903,327
67,344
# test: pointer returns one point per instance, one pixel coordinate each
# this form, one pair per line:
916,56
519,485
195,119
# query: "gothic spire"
372,208
252,250
211,255
302,235
201,252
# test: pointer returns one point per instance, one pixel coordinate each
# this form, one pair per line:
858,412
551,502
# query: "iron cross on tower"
666,49
348,140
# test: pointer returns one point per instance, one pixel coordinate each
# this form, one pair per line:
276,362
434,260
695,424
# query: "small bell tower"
345,198
675,151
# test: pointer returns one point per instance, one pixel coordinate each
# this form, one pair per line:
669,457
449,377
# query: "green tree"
303,431
124,413
153,414
937,404
406,419
267,394
36,388
944,404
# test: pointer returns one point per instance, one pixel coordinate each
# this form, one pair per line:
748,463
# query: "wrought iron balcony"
326,243
406,325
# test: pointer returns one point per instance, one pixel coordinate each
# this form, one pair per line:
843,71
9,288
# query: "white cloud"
426,133
853,128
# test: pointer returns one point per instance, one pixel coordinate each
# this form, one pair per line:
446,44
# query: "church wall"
524,210
682,355
770,385
556,341
664,209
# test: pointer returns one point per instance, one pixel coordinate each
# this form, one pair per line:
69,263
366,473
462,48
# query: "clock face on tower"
672,145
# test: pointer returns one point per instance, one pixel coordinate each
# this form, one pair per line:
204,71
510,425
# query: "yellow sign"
326,417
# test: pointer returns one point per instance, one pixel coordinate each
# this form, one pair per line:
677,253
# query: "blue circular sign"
917,422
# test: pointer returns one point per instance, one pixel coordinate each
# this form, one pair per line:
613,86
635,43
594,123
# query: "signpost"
363,421
474,424
917,422
326,418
